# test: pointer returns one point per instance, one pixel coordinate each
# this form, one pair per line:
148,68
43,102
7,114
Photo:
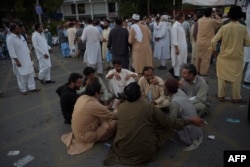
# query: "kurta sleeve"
104,90
81,90
162,95
202,92
216,38
84,37
174,39
247,38
11,48
166,121
174,110
131,37
36,43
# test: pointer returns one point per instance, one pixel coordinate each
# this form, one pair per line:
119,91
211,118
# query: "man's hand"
88,81
46,56
196,121
117,76
127,77
18,64
153,102
154,81
177,51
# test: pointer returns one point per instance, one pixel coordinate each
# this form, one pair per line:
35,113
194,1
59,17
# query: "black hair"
88,70
114,62
13,26
118,21
208,12
89,21
191,68
179,16
73,77
146,68
235,13
37,26
132,92
93,88
171,85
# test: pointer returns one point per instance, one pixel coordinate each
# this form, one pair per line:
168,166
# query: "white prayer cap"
136,17
164,18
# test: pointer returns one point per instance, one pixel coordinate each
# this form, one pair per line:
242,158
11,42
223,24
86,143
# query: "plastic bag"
108,56
73,51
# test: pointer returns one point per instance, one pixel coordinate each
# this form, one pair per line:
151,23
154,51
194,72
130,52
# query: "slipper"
238,101
35,90
221,99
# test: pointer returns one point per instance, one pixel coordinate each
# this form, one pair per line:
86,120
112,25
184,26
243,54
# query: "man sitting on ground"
181,107
68,95
141,129
91,122
119,78
91,76
152,88
195,87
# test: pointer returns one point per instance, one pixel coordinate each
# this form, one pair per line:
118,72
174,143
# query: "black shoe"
171,71
50,81
42,81
162,68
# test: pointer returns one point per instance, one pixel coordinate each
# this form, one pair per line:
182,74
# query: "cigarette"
205,122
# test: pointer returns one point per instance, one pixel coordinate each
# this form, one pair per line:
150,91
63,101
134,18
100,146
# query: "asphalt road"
33,125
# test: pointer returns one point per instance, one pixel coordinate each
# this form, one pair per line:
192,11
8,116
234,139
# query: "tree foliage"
128,7
25,9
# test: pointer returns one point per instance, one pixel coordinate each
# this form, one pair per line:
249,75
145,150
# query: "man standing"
63,40
42,53
152,88
234,37
119,78
21,60
141,129
178,45
68,95
195,87
91,122
92,55
118,43
139,38
105,36
162,41
205,33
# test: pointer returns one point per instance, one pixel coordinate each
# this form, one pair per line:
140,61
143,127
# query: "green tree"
128,7
25,9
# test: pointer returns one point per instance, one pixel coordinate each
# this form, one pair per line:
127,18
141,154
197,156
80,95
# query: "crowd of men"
138,107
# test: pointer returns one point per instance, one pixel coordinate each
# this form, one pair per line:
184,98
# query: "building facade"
81,9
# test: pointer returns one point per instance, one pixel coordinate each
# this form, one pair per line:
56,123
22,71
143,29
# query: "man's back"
118,41
206,30
233,35
91,34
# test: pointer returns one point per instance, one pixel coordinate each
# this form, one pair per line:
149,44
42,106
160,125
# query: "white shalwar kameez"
92,56
117,86
18,48
178,38
41,48
162,46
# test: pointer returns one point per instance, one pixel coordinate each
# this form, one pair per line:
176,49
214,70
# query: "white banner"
209,2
